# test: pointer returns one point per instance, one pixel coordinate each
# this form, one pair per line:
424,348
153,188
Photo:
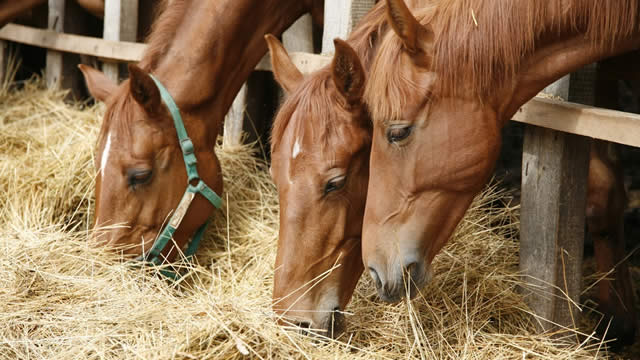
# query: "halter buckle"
187,146
181,210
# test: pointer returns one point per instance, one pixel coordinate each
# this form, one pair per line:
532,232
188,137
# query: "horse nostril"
411,268
375,277
304,324
336,323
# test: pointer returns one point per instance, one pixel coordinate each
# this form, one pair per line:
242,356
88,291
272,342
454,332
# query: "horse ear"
410,31
99,85
285,72
347,72
144,89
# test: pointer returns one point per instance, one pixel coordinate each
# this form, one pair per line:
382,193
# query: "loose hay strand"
61,298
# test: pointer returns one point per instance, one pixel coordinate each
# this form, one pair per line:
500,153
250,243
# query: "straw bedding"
61,299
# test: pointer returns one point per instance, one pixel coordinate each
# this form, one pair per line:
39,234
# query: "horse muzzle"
401,280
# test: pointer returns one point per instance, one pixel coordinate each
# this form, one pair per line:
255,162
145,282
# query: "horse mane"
480,43
317,94
163,30
117,114
169,15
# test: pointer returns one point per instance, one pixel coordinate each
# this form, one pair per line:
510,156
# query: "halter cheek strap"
186,145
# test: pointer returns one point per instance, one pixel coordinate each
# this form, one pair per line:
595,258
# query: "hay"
60,299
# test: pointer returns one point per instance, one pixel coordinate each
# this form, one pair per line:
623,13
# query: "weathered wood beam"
54,71
610,125
77,44
554,189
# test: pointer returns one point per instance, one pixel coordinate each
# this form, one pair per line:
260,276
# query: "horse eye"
397,133
138,177
334,184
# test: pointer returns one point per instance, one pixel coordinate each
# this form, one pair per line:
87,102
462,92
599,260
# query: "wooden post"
61,69
56,16
554,187
299,36
234,119
340,17
120,24
4,61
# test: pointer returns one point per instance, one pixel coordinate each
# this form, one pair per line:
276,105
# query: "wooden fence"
555,147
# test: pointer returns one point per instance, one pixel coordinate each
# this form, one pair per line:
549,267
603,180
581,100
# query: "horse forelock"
317,97
481,43
313,111
118,117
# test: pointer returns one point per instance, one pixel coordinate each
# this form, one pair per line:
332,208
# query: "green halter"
153,255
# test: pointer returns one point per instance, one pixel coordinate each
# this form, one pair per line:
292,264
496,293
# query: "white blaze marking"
296,149
105,155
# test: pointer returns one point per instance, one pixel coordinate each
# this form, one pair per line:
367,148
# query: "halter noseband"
153,255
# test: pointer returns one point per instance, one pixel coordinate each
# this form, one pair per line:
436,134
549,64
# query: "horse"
320,145
199,53
9,10
441,87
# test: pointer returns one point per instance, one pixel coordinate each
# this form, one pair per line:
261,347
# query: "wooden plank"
299,36
77,44
54,58
554,173
610,125
340,17
234,119
4,61
123,50
120,24
306,63
554,190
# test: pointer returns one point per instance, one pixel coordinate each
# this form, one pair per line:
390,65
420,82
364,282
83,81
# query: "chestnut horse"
10,9
320,146
440,90
202,51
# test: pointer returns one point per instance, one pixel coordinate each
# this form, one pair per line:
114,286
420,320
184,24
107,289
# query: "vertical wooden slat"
554,187
299,36
4,61
61,68
120,24
340,17
54,58
234,119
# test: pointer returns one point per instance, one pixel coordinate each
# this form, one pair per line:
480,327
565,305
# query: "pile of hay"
60,299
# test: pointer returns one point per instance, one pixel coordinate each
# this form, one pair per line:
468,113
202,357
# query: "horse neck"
554,61
215,48
533,44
